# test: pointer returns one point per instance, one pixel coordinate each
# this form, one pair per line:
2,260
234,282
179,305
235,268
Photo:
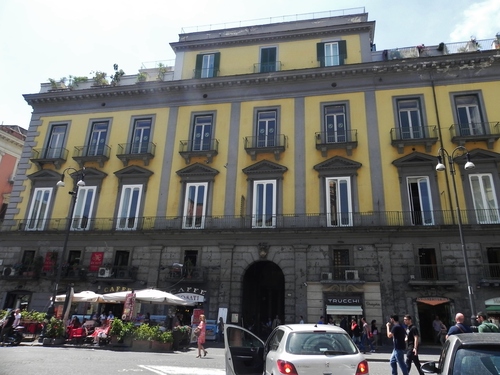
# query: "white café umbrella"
149,296
85,296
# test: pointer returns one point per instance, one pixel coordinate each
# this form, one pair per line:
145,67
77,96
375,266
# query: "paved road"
35,359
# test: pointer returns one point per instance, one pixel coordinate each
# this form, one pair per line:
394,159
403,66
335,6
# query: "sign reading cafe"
190,293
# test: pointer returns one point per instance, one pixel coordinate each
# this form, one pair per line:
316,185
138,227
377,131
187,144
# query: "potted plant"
162,69
142,76
122,331
181,336
162,340
54,332
99,78
74,81
115,78
143,335
58,85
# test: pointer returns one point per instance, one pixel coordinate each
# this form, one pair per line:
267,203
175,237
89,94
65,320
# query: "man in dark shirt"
459,327
398,335
412,342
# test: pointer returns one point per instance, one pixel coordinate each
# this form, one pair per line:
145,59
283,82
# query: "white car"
293,349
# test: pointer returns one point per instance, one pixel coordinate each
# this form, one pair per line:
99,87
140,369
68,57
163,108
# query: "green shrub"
54,328
144,332
163,337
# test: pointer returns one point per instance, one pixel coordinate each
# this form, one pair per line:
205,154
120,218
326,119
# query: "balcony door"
428,265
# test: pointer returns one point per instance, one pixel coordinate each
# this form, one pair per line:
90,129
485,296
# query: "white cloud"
480,20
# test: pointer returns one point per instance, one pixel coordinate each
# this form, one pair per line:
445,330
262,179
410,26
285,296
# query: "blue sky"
41,39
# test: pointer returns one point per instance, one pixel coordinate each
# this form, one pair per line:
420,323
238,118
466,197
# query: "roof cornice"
259,38
437,65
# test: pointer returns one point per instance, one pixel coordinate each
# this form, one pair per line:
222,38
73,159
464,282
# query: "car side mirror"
430,368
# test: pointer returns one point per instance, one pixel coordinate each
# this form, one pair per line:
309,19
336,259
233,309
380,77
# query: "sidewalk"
383,354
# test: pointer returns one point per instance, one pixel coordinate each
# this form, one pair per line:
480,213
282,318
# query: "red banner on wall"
96,260
49,262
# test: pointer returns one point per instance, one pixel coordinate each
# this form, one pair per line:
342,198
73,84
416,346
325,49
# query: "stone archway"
263,296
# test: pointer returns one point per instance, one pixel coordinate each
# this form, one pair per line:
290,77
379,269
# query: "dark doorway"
263,297
426,315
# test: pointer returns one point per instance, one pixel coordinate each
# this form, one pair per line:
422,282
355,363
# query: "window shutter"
198,67
320,48
342,51
216,64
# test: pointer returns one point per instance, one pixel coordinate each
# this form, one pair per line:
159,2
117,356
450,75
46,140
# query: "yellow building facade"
277,169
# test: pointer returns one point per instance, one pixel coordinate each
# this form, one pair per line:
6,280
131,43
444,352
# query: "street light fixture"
443,155
74,195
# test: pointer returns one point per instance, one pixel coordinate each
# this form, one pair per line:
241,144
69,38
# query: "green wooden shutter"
199,64
216,64
320,51
342,51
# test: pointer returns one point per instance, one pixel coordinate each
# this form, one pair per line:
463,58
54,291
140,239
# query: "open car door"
243,350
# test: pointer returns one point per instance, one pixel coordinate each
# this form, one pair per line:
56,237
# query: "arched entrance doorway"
263,296
428,308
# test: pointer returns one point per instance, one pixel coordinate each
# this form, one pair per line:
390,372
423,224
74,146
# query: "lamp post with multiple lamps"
443,155
74,195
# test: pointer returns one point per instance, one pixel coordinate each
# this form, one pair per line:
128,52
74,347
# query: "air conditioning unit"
326,276
104,272
8,271
351,275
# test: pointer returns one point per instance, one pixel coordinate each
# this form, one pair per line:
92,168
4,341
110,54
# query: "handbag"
197,331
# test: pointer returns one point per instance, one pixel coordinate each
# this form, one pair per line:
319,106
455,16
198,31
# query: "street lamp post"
443,155
74,195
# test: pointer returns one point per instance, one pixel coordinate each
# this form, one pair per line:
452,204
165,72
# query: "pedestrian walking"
220,330
459,326
276,322
355,332
484,324
440,330
374,331
413,341
398,335
365,337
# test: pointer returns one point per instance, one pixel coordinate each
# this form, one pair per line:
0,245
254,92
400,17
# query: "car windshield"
320,343
472,361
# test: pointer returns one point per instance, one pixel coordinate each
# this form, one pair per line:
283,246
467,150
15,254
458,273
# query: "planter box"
161,346
141,345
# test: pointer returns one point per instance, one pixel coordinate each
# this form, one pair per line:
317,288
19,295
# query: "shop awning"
343,310
493,308
433,301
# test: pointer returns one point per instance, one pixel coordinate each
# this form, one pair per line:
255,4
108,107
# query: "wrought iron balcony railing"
136,151
346,139
433,273
475,131
342,274
262,144
249,222
204,148
417,135
98,153
268,67
178,272
55,156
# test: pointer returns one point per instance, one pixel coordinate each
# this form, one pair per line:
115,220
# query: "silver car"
468,354
293,349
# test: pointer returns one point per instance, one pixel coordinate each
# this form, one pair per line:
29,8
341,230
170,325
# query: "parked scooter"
15,337
16,333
